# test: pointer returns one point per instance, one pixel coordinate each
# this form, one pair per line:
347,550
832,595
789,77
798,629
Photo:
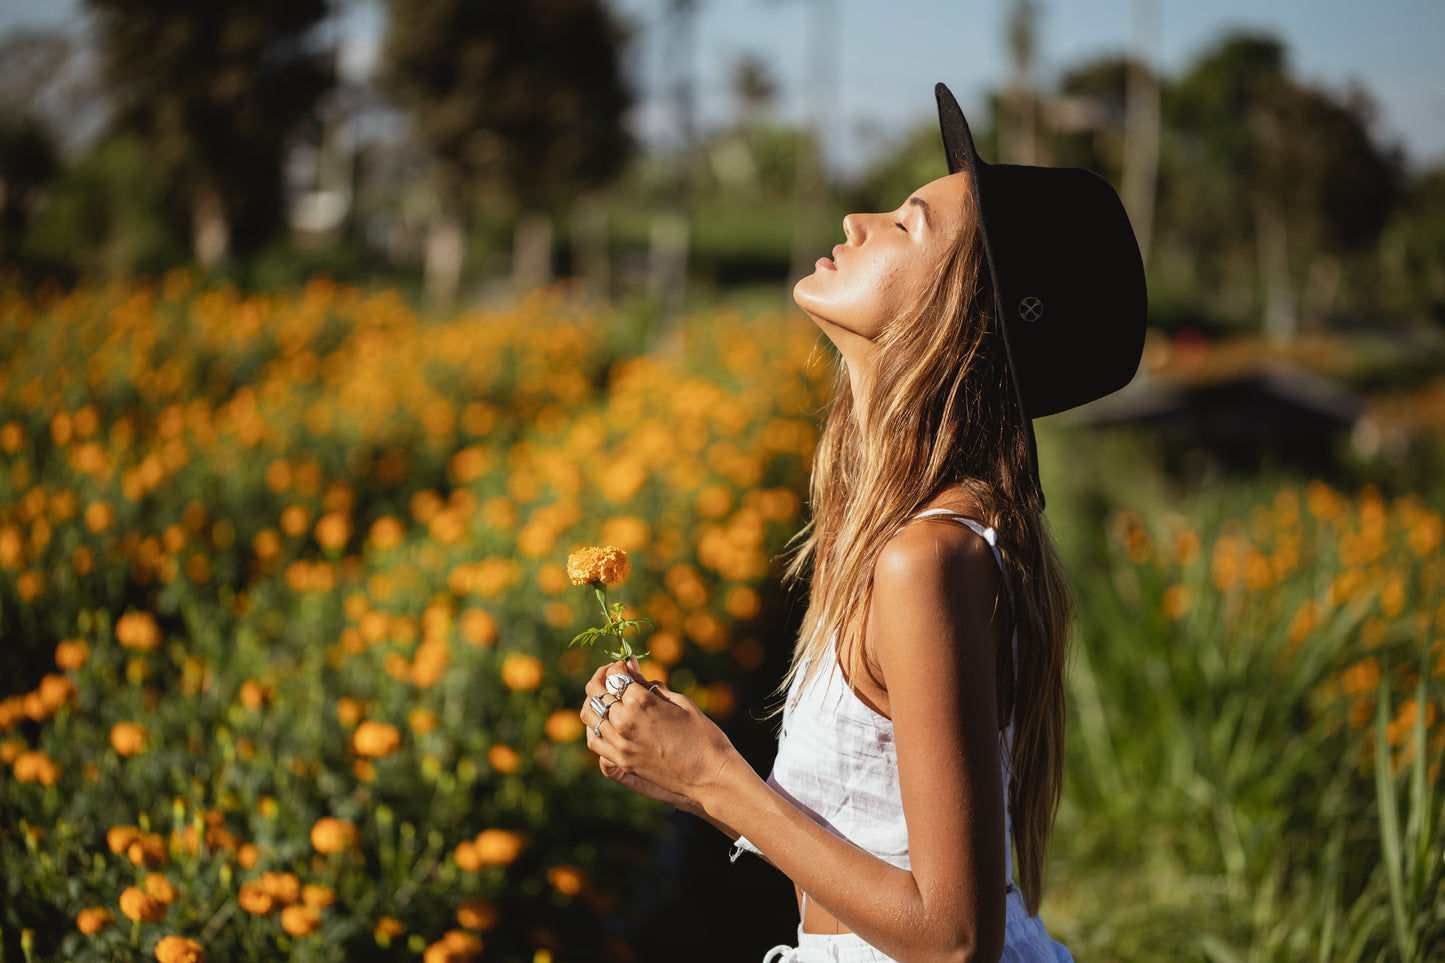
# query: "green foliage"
104,215
1226,796
214,92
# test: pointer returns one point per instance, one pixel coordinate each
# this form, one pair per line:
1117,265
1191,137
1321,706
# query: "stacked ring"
617,683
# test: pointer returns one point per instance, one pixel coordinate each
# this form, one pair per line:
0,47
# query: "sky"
886,56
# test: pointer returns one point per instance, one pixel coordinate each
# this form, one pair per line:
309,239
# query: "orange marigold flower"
10,749
333,531
119,838
138,630
457,946
253,694
93,919
317,896
521,673
36,766
565,879
128,738
300,920
140,907
348,711
375,739
159,888
147,849
421,721
503,758
179,949
285,887
467,856
55,690
563,726
72,654
331,835
598,565
479,627
389,927
248,855
254,899
477,914
498,847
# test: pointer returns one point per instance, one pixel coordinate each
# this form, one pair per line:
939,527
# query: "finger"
596,708
598,682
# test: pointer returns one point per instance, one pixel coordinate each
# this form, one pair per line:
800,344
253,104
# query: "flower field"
284,668
286,614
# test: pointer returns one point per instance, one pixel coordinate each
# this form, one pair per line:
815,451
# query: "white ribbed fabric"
837,761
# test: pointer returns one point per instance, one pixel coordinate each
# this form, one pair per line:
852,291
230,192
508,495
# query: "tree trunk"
532,251
589,244
1281,314
667,264
210,227
445,249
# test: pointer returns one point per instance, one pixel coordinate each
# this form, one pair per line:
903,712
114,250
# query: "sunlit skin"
884,262
931,640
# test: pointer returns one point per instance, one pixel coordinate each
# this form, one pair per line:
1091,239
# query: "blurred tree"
214,91
522,102
28,160
754,88
1413,249
1018,125
1292,168
46,78
104,214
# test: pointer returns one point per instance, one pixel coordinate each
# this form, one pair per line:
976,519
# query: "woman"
923,727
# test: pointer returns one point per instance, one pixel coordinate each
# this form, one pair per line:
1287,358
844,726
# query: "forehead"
946,198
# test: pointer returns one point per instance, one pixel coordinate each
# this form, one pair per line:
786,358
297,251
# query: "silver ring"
617,683
597,729
598,706
653,686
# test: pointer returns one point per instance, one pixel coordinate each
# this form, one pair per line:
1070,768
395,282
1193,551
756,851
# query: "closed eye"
899,225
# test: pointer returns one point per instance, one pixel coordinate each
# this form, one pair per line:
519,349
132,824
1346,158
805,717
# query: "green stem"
601,591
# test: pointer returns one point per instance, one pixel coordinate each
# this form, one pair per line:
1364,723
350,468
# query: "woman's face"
885,261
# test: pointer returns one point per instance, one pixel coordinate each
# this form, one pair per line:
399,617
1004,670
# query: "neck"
857,353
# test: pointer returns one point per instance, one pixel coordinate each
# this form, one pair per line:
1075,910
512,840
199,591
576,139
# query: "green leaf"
1389,816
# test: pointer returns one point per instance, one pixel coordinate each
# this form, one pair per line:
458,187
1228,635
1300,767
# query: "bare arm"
930,634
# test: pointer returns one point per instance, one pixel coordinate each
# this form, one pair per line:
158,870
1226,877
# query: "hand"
652,740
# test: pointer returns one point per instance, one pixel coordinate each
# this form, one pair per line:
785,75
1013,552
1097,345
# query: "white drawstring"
782,953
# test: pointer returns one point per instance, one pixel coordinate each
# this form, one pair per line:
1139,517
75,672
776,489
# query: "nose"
853,227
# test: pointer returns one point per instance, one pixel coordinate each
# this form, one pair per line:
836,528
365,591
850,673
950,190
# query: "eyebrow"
922,204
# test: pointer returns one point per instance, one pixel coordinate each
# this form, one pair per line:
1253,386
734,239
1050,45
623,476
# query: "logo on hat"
1031,309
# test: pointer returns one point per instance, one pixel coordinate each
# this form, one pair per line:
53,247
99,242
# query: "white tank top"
837,761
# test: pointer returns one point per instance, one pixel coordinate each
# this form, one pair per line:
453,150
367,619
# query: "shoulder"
934,553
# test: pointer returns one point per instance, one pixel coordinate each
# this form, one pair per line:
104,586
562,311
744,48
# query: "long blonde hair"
940,414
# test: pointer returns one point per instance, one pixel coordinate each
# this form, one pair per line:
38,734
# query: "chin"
800,292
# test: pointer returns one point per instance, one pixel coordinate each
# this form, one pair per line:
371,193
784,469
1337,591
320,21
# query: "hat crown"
1067,274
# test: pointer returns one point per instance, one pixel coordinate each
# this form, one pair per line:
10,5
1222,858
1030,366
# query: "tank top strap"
988,534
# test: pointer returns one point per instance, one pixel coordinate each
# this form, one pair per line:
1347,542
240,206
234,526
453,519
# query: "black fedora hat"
1067,277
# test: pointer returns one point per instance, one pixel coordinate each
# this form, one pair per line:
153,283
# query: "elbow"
982,944
974,951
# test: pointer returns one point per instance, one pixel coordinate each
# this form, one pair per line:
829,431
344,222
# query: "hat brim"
962,155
